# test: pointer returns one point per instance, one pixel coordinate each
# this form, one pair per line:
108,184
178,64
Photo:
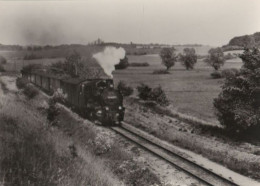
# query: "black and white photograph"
130,93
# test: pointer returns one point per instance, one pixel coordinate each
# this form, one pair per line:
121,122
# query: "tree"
189,58
238,105
215,58
168,57
72,64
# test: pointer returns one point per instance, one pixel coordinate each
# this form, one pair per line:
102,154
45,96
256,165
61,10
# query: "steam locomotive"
94,98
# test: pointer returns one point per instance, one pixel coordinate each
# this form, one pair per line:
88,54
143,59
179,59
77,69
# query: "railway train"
94,98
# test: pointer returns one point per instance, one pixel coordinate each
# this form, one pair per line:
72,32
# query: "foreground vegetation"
32,154
64,150
238,103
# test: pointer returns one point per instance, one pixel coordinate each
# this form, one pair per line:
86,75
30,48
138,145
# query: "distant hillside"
245,41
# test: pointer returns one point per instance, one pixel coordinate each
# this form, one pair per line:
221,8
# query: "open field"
190,92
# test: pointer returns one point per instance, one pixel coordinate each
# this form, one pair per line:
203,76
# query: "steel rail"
191,168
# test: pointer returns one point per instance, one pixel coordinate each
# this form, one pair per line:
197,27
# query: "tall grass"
31,154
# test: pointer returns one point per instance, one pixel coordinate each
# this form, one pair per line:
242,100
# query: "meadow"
190,92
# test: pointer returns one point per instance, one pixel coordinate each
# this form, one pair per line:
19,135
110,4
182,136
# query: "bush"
161,72
144,91
30,91
156,94
124,89
238,104
228,73
52,111
145,64
59,96
216,75
21,83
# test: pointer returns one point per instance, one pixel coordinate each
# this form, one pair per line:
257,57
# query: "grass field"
190,92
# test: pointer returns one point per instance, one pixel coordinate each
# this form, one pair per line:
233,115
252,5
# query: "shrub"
124,89
228,73
161,72
59,96
30,91
216,75
145,64
156,94
21,83
144,91
238,104
52,111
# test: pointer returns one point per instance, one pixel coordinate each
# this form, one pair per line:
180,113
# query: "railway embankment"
70,151
209,141
33,153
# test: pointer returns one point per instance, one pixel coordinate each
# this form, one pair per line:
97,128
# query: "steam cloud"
109,57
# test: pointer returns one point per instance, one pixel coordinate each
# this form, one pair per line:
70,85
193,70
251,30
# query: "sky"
208,22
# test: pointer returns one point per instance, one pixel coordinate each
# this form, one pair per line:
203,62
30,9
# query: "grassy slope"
72,152
32,154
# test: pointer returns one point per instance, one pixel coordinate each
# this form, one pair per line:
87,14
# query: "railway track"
191,168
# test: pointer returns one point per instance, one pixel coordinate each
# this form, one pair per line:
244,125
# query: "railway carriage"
94,98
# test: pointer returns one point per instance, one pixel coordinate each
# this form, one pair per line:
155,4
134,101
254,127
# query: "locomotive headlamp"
106,108
99,112
111,85
120,108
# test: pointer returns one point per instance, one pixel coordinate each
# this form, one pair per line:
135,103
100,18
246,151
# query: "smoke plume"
109,57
